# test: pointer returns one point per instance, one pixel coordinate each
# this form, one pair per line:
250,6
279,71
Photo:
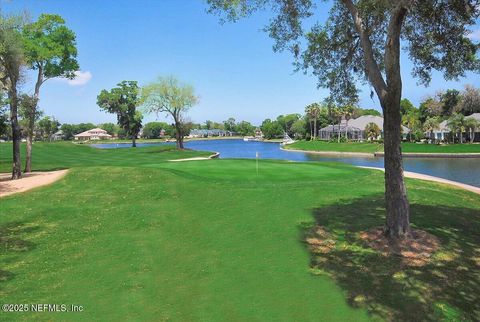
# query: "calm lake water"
465,170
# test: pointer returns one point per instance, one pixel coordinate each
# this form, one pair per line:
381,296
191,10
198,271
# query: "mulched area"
414,251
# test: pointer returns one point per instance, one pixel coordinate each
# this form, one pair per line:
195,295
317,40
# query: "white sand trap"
420,176
28,181
213,156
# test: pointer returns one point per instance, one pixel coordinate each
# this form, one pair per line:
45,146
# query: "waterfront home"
93,134
197,133
443,133
57,136
354,128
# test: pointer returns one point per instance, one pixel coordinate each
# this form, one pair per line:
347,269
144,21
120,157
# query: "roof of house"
207,132
362,121
443,126
93,132
475,116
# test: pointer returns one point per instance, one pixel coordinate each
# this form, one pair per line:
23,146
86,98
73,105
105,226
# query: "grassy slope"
211,240
372,147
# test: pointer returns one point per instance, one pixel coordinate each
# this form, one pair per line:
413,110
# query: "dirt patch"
320,241
414,251
28,181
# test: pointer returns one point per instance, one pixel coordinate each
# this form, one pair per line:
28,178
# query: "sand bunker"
28,181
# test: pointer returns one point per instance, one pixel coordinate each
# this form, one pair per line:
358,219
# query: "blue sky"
232,66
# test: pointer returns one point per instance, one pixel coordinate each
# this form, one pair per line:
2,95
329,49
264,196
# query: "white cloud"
474,35
81,78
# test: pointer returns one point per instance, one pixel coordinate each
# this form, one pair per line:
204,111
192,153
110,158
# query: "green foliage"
372,131
229,125
456,123
431,124
69,130
123,101
27,110
169,95
210,125
47,126
50,47
406,107
335,52
5,129
450,100
245,128
271,129
286,122
299,128
111,128
153,130
411,119
12,57
365,111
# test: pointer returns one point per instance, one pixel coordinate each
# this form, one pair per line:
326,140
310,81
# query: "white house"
57,136
355,128
443,129
93,134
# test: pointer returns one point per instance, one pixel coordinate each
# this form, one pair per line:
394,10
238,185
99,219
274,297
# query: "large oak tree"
123,100
50,50
361,42
11,64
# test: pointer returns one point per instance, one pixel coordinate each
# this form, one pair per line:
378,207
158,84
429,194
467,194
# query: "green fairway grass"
131,237
365,147
61,155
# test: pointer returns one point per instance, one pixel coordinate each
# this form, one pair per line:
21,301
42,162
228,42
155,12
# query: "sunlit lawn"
131,237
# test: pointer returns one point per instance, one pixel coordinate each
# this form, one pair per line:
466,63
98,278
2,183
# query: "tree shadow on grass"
13,241
446,288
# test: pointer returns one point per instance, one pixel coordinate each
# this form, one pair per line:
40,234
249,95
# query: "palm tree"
457,124
411,121
431,124
347,112
313,111
471,125
336,116
372,131
308,113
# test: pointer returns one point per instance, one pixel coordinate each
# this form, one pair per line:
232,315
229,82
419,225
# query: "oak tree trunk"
134,141
398,211
28,154
16,134
178,134
31,121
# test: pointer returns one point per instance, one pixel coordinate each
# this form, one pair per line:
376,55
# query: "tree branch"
392,48
373,71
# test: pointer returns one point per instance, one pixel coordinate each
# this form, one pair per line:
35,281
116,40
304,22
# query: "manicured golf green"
365,147
131,237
